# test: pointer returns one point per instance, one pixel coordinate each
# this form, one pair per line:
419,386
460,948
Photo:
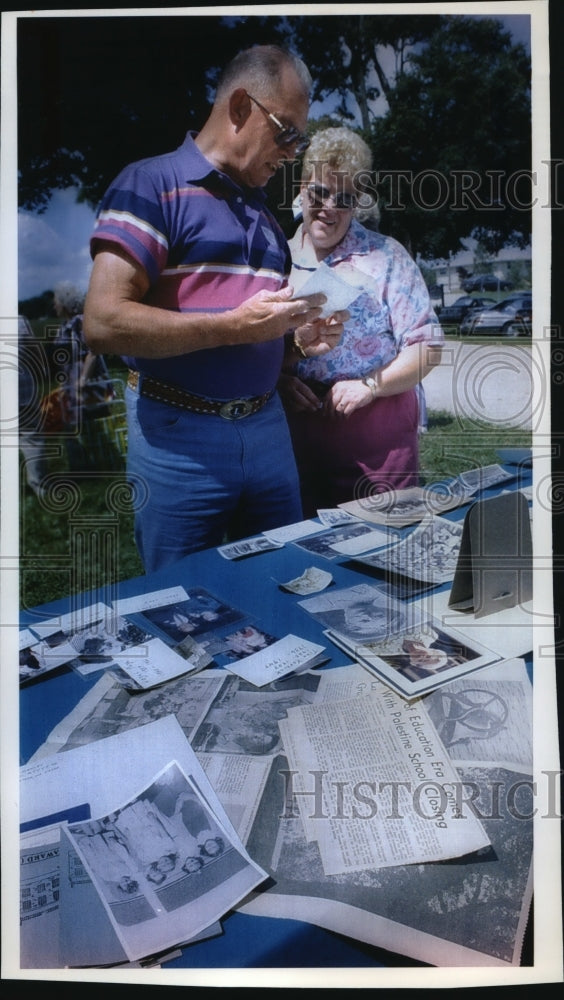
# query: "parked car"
486,283
454,314
512,317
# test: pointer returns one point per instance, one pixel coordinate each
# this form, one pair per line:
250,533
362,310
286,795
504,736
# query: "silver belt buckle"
235,409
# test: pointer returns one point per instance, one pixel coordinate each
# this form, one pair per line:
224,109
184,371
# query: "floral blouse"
392,311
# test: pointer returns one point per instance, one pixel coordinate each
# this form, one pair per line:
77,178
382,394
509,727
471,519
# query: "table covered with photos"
289,752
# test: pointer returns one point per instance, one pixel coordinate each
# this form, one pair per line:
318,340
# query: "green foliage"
482,260
37,307
90,547
356,44
453,445
429,274
519,274
97,93
464,106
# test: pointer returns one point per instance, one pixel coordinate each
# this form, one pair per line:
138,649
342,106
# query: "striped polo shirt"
206,244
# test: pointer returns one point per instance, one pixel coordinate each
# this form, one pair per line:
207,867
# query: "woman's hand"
408,368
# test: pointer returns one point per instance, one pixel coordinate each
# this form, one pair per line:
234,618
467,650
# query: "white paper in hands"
339,293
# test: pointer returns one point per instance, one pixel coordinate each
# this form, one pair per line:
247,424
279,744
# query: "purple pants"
372,451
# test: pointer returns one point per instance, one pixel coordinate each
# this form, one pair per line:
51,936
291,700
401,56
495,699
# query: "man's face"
262,156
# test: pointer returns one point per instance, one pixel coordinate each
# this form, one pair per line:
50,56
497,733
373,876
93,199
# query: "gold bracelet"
299,348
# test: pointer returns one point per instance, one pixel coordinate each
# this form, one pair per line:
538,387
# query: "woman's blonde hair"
345,151
340,148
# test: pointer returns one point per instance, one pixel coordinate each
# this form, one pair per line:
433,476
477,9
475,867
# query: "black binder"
495,562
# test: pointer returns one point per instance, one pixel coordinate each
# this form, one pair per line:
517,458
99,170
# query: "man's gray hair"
260,68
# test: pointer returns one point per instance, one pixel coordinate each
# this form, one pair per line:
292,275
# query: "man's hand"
296,395
268,315
119,321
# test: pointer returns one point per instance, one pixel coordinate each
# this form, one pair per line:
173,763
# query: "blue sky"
53,246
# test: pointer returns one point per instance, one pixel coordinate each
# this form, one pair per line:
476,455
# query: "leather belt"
163,392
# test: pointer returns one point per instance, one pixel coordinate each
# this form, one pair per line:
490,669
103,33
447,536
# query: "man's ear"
240,107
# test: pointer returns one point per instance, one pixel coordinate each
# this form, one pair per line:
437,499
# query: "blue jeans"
200,479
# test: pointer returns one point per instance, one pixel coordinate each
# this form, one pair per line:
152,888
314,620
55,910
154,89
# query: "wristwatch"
370,382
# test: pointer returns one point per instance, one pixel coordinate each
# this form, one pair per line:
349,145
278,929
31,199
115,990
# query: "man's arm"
118,321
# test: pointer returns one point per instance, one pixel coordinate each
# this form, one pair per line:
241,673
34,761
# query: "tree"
482,260
96,93
458,128
360,46
457,122
39,306
519,274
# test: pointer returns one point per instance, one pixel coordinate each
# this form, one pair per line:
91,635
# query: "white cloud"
53,247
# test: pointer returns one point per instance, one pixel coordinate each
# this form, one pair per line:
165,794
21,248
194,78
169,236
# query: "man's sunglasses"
287,135
319,195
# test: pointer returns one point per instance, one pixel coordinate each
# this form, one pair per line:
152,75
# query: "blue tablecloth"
251,584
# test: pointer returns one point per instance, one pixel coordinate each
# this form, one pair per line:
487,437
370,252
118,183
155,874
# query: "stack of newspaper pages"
135,861
323,797
388,799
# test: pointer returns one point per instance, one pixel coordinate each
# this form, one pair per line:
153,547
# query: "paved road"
494,383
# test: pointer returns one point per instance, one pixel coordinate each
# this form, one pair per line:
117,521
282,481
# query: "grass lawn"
452,445
81,537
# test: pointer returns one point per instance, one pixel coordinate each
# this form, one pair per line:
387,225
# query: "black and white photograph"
428,553
404,507
201,613
417,662
248,547
362,613
490,475
325,543
85,649
102,644
36,660
151,847
242,720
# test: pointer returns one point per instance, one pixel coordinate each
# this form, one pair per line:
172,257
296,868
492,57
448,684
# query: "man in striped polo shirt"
189,285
